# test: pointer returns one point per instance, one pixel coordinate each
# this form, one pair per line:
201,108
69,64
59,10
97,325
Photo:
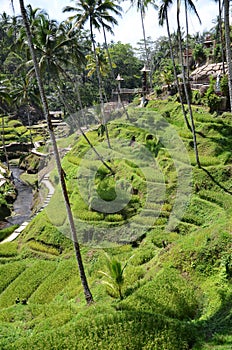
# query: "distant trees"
127,64
62,48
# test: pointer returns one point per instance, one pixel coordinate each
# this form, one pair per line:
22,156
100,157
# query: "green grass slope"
177,286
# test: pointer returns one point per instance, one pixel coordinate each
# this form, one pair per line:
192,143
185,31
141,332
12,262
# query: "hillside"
172,228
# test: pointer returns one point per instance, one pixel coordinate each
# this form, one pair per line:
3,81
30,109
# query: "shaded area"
216,182
217,329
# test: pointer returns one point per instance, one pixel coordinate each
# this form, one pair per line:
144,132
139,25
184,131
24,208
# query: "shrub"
213,101
196,97
143,256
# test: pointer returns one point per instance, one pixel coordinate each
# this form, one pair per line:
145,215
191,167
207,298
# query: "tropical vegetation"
133,250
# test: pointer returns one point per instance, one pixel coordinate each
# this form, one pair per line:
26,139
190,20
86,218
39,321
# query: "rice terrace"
115,178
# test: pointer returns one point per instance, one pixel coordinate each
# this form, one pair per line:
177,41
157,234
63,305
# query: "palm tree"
97,12
188,5
5,99
228,47
220,5
163,15
192,6
26,94
87,292
55,49
141,7
114,277
117,11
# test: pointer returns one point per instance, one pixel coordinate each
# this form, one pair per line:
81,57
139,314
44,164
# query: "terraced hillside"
171,231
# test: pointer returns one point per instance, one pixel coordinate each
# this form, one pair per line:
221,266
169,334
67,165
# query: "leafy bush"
196,97
212,99
143,256
106,190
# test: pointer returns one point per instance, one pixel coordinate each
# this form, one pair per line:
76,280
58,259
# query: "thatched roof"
203,73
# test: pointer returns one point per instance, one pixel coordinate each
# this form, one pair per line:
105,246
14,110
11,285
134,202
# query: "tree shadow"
216,182
218,326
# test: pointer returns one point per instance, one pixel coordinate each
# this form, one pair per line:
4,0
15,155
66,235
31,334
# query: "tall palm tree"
188,5
228,47
5,99
26,94
55,49
220,5
97,12
163,15
141,7
87,292
192,6
117,11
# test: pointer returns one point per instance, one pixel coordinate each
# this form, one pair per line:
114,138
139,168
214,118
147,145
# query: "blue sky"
129,29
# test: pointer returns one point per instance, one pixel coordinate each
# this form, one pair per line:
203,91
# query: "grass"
4,233
8,249
26,283
177,288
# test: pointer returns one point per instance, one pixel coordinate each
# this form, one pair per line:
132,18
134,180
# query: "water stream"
22,204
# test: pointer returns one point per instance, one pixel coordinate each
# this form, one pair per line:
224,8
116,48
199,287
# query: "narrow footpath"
17,232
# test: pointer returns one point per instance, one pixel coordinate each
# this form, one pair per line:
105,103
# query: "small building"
201,75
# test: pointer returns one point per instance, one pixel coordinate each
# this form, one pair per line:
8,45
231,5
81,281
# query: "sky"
129,29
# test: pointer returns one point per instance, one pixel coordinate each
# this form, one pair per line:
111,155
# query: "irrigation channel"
23,203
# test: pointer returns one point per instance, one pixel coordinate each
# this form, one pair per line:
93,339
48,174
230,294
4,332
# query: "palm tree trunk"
4,144
69,109
113,76
187,42
87,292
185,86
228,47
99,84
145,45
221,36
175,73
29,123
